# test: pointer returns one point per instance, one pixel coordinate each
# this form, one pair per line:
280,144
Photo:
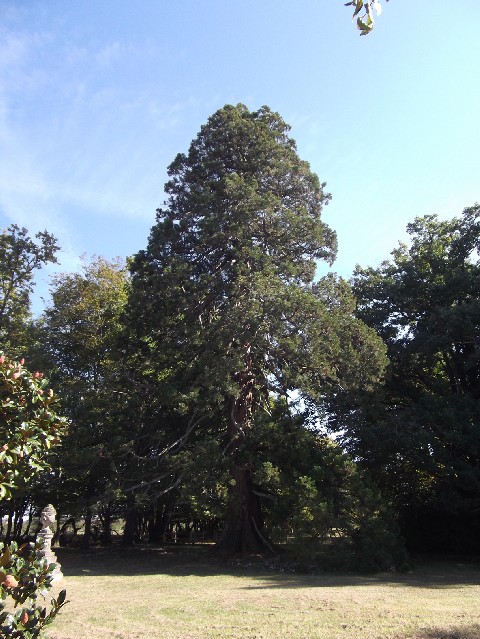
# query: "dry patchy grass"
151,594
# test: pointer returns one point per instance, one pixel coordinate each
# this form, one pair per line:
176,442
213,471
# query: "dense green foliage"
224,299
24,577
79,347
318,499
200,386
20,256
29,423
29,426
420,433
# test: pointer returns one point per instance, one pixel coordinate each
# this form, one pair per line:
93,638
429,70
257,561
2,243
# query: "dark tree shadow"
460,632
202,561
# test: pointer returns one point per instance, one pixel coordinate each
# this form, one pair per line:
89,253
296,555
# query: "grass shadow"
460,632
202,561
136,560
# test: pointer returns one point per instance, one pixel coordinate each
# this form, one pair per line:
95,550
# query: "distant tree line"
216,383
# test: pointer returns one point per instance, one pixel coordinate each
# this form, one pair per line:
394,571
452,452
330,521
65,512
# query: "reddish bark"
243,532
243,523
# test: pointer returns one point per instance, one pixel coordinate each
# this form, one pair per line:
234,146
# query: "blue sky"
97,98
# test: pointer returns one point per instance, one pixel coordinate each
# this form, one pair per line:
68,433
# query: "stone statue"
47,520
47,517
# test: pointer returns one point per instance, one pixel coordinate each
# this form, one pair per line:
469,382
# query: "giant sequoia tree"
224,299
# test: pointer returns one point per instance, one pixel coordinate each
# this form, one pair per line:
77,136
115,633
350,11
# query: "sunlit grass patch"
150,595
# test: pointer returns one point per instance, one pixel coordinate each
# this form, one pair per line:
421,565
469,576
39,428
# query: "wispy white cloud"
108,54
80,137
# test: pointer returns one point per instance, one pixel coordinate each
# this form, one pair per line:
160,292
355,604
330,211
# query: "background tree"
80,330
151,460
225,289
420,434
117,459
317,499
20,256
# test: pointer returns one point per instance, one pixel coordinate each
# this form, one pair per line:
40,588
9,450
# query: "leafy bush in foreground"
29,426
24,576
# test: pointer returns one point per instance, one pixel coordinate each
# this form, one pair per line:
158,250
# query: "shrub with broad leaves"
29,426
25,575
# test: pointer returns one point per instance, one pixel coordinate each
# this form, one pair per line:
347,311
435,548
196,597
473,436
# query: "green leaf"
366,27
358,7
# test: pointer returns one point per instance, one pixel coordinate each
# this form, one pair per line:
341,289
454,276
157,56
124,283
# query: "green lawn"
150,594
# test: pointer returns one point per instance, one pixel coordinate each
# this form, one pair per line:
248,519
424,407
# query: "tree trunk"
243,532
88,528
244,523
8,535
30,519
130,521
106,536
18,522
160,518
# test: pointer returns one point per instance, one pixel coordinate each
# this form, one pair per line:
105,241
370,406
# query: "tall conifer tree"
224,298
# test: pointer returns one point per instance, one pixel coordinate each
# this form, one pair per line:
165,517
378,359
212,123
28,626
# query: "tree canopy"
20,256
80,332
420,433
426,301
226,290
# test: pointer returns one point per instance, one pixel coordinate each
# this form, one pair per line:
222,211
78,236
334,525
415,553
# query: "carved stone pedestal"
44,537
